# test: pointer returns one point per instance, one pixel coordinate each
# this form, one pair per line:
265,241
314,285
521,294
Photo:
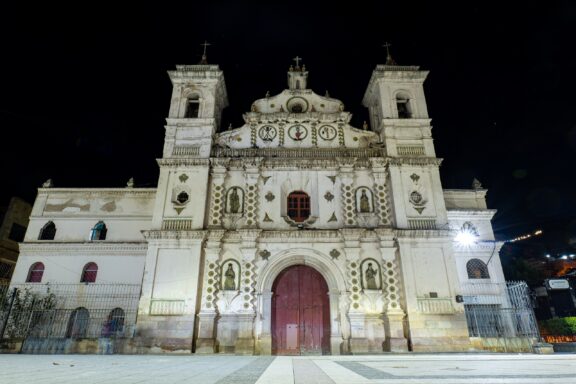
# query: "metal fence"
501,315
71,311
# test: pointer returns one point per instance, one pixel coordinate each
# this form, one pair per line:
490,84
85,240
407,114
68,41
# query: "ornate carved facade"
296,185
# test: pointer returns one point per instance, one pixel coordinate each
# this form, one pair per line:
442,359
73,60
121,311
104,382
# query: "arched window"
403,106
48,231
89,273
192,107
98,232
35,273
78,323
114,325
477,269
298,206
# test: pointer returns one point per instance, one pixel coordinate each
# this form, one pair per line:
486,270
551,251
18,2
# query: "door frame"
338,297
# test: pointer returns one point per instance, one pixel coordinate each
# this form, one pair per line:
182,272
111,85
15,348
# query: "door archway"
300,312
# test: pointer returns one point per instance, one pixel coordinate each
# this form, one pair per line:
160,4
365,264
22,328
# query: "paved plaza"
389,369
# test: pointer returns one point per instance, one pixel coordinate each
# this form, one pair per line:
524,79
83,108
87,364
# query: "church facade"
295,233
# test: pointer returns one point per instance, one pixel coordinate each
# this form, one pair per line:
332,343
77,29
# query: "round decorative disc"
267,133
297,132
327,132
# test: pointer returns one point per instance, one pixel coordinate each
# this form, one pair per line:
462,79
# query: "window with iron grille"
35,273
78,323
89,273
17,232
298,206
98,232
48,231
114,325
477,269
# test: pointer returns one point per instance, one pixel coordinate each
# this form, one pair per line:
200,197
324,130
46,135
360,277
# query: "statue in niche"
364,203
234,203
370,275
230,279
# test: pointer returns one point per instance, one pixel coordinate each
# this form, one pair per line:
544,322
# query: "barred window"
98,232
192,107
114,325
298,206
78,323
89,273
48,231
35,273
477,269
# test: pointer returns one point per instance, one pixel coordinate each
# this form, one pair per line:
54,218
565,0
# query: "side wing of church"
295,233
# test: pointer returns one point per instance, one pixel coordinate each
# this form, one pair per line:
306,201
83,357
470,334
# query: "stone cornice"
414,161
317,236
183,162
479,246
52,248
297,153
98,191
442,234
174,235
471,213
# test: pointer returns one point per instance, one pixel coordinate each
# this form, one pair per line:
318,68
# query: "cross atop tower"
297,60
204,57
389,59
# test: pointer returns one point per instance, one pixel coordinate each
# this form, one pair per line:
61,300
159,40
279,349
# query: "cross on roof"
297,60
205,44
387,46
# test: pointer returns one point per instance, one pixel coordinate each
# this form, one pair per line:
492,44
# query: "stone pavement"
221,369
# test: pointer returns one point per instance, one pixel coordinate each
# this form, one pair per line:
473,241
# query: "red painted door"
300,313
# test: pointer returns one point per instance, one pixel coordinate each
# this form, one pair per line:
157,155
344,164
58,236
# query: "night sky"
84,93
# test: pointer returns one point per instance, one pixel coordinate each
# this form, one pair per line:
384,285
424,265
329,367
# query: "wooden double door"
300,313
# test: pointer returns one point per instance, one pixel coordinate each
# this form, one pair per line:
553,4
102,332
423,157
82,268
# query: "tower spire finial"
297,60
389,59
204,57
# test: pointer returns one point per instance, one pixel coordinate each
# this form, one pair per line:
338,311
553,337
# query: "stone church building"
295,233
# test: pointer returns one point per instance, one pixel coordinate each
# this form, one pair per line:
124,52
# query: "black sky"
84,92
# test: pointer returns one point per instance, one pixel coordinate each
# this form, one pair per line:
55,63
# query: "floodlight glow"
465,238
547,255
564,257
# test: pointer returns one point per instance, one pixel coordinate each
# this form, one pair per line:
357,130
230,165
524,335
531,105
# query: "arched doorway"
300,313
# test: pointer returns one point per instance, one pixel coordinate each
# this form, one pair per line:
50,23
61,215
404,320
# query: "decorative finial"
297,60
204,57
267,93
130,183
303,67
291,68
326,94
230,126
48,184
365,126
476,184
389,59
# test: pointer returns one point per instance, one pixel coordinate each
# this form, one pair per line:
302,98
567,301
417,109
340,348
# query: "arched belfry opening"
300,312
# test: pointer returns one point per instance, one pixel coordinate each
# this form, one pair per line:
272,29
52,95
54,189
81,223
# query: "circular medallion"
327,132
297,132
297,104
416,198
267,133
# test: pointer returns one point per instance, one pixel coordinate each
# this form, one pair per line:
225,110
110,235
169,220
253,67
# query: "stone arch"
335,279
301,256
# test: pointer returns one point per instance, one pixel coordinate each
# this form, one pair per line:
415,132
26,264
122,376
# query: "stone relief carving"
230,275
269,196
183,177
370,275
328,196
416,196
364,201
334,254
235,200
264,254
